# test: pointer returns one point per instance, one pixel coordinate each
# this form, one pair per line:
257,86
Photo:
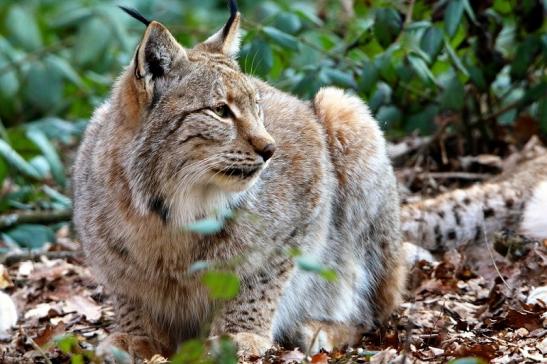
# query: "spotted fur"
514,200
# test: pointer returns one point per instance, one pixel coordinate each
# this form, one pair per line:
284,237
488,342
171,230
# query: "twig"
33,217
11,259
400,149
37,347
458,175
313,339
492,256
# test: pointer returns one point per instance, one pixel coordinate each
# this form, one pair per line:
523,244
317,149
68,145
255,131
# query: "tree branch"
34,217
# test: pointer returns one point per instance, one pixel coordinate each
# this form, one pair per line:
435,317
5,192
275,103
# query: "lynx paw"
137,347
249,344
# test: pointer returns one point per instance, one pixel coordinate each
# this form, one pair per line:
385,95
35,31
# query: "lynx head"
198,139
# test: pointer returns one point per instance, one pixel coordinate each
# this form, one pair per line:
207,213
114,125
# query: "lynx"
186,136
515,200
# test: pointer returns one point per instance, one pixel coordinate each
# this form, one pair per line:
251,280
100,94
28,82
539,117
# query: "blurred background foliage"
474,68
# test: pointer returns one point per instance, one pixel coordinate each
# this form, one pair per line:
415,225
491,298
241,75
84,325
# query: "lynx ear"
157,53
226,40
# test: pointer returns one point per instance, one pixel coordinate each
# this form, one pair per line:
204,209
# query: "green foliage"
222,351
481,61
467,361
221,285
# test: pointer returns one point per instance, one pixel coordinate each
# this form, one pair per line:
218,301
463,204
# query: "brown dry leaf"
384,356
49,333
517,318
83,305
156,359
5,280
320,358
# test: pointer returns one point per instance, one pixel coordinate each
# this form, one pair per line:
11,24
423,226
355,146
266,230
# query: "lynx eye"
223,111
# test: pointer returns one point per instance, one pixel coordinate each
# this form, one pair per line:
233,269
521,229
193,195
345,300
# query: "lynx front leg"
135,333
248,318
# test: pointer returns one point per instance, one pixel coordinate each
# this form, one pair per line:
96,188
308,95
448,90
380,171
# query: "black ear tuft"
233,13
135,14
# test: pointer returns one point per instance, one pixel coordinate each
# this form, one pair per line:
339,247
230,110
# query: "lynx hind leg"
390,288
367,208
317,335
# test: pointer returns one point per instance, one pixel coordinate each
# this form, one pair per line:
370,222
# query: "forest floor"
471,302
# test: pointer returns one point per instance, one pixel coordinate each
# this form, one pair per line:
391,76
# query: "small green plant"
70,345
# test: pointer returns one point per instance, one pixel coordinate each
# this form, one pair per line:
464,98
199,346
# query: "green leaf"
9,83
15,160
31,236
207,226
453,16
44,86
469,10
120,356
386,68
21,25
369,77
282,39
380,97
257,59
453,95
92,40
77,359
422,120
56,129
192,351
421,69
389,116
477,77
221,285
58,197
503,6
516,95
199,266
65,343
339,78
288,22
41,165
526,51
64,68
387,26
467,361
226,352
432,42
309,264
454,58
49,152
329,275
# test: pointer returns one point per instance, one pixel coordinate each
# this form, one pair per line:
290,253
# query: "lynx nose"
266,152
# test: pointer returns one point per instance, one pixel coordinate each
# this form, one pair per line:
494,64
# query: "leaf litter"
472,302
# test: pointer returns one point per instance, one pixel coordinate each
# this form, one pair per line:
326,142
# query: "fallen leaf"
5,280
292,356
320,358
83,305
47,335
42,310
